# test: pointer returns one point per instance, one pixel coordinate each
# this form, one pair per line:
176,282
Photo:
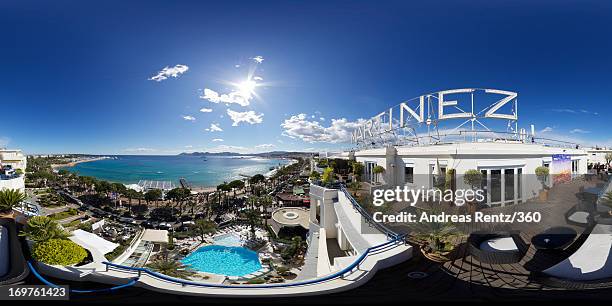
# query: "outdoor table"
554,238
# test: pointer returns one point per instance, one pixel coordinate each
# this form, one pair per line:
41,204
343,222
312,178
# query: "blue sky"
77,74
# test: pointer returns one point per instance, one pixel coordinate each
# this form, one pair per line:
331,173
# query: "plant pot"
543,197
439,257
7,215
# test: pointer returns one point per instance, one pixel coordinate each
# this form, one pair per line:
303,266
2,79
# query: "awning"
155,236
92,241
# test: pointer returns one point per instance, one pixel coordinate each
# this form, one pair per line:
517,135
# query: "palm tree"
266,201
10,198
253,216
436,234
41,228
172,268
203,227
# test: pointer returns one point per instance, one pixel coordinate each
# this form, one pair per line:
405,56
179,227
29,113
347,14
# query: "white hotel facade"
508,168
13,164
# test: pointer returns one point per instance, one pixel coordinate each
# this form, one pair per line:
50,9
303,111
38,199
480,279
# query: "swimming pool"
223,260
230,239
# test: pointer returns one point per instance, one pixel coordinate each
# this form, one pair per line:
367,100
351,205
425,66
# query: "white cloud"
188,146
237,66
240,98
189,118
579,131
257,78
574,111
206,110
547,129
249,117
265,146
322,119
217,140
228,148
214,127
299,127
139,150
167,72
259,59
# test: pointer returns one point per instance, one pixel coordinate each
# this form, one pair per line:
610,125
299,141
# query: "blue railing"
338,274
381,227
132,282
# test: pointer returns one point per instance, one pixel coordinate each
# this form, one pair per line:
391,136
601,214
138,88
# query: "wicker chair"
497,256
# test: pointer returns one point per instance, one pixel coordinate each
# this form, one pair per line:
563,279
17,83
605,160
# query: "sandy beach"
83,160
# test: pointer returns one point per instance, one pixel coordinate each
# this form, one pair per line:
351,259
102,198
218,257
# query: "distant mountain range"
266,154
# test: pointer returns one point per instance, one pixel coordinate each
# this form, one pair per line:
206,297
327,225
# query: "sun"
247,88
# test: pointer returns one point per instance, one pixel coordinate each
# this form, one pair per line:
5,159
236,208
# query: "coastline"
194,187
76,162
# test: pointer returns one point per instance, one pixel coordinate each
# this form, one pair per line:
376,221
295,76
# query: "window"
509,184
575,166
496,186
519,183
409,175
484,185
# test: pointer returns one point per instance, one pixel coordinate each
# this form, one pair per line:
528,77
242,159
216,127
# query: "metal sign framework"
401,124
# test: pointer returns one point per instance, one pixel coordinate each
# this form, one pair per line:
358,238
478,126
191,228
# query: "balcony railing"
390,139
391,235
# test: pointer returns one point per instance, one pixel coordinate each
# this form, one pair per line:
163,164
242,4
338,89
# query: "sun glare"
247,88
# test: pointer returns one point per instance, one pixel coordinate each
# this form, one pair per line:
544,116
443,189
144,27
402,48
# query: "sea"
199,171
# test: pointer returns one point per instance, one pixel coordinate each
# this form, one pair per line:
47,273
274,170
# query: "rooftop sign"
439,106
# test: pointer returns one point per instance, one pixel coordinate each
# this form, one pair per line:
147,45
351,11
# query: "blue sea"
198,171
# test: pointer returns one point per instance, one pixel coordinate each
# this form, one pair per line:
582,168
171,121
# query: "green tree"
236,185
179,195
378,170
314,175
153,195
172,268
357,170
10,198
58,252
328,176
253,218
608,158
542,173
203,227
42,228
472,178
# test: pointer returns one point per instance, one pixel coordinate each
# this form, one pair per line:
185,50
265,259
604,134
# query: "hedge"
59,252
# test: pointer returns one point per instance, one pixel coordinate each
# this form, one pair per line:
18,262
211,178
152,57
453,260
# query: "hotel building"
12,169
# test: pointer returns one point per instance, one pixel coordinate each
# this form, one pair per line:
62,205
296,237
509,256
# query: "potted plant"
328,176
357,170
378,170
542,173
435,239
9,199
472,178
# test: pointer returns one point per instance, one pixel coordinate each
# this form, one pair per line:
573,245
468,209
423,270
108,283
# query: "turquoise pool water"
230,240
223,260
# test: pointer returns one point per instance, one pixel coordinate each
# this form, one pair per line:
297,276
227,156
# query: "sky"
164,77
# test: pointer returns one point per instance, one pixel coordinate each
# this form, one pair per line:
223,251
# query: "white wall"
466,156
14,183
